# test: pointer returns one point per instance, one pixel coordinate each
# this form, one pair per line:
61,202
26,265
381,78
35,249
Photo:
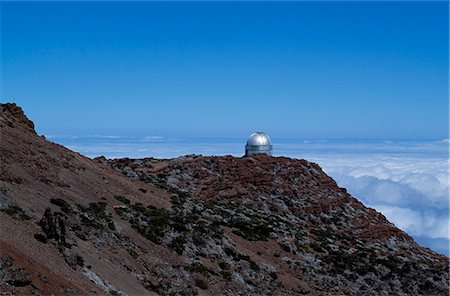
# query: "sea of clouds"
411,192
407,181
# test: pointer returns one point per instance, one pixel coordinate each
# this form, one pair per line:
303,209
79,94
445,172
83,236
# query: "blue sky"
367,70
138,79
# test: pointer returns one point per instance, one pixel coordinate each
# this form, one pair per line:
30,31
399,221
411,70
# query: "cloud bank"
412,192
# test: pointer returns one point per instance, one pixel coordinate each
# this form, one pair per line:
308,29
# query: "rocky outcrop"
11,274
14,117
53,225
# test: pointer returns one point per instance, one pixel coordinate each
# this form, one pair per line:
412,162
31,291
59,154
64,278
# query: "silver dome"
258,139
257,143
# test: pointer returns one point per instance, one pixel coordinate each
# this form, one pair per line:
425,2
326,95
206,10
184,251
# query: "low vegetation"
97,217
41,237
122,199
62,204
80,261
16,212
202,284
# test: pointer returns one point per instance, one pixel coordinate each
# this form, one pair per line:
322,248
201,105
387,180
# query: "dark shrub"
111,226
224,266
122,199
253,265
64,205
97,217
204,230
197,267
226,275
178,244
97,209
138,207
202,284
252,232
16,212
273,275
80,261
41,237
132,253
285,247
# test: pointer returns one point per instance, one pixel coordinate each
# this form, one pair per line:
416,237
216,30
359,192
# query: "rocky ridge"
318,232
192,225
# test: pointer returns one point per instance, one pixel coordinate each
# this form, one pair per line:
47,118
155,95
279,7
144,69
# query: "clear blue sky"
371,70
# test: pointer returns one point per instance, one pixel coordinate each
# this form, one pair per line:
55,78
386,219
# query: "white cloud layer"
414,184
412,192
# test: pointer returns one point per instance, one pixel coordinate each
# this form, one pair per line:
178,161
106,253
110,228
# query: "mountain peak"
13,116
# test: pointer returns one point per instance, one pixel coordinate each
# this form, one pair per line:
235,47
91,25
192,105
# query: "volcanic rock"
192,225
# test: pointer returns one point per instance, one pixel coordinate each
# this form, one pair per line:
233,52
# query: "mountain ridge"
192,225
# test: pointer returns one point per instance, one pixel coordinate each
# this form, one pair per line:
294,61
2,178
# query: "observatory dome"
258,142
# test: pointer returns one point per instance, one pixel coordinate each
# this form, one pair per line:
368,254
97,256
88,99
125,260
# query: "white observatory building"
258,142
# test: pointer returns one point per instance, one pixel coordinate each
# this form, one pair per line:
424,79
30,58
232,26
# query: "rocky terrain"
193,225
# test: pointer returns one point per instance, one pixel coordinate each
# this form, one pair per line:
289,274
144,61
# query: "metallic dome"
258,142
258,139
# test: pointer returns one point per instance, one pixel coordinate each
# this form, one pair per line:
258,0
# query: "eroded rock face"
53,225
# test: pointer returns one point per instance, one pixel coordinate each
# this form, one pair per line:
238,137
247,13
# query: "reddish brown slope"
34,170
192,226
